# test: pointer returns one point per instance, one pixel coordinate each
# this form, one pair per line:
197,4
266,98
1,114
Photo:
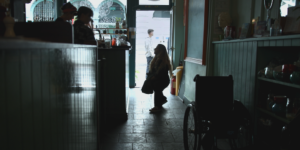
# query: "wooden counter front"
114,83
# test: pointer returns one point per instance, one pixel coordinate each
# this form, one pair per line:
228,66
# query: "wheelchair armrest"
192,104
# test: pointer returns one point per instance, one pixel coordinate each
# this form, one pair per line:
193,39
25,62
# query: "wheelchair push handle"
198,76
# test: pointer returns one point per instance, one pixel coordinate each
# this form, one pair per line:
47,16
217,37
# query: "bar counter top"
16,43
116,48
12,43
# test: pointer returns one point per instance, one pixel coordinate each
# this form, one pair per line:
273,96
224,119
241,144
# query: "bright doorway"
159,21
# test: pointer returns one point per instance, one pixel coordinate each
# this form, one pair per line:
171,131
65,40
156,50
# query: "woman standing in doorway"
158,73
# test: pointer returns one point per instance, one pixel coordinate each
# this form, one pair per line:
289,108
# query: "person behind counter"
82,33
69,11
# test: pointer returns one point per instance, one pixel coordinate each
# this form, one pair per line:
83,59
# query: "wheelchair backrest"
214,96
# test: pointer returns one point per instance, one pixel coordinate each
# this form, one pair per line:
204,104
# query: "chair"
214,114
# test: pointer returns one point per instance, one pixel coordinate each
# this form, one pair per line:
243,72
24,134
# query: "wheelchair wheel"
190,129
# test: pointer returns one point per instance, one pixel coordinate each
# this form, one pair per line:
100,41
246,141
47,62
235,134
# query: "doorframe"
132,7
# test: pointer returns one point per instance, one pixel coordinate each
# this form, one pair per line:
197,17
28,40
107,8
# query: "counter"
114,83
47,95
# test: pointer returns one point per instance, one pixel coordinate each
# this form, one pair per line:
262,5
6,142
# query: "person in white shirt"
149,49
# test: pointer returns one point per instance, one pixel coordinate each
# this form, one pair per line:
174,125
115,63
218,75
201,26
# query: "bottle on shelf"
270,101
113,42
124,24
289,109
279,107
295,105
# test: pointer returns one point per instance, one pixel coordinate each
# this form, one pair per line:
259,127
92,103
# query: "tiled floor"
145,131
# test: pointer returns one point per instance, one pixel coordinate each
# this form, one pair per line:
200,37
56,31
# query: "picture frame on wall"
260,29
245,31
292,23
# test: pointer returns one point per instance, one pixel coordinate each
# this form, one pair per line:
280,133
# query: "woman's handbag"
148,86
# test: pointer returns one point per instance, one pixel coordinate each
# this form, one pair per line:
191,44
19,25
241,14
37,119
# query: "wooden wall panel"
26,93
260,43
37,98
235,68
278,43
239,73
3,110
218,59
295,42
13,104
237,59
272,43
240,61
226,68
287,42
221,57
253,75
230,54
39,107
215,53
244,71
266,43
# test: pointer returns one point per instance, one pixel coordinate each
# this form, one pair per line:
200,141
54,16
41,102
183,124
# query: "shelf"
280,82
264,144
112,28
282,37
114,34
273,115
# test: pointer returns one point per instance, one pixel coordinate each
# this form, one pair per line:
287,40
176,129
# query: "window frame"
201,61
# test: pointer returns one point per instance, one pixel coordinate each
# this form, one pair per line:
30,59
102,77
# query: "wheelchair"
216,115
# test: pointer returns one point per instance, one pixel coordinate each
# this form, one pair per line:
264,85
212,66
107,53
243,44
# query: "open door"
157,20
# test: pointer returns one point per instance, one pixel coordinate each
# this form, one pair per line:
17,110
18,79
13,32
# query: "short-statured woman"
69,11
159,70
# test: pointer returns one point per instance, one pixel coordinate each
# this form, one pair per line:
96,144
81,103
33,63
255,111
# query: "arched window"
80,3
44,11
105,11
108,16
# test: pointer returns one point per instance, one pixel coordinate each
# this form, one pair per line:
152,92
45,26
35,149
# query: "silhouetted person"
158,73
149,49
82,33
69,11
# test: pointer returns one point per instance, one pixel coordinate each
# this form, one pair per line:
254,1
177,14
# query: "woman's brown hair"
162,57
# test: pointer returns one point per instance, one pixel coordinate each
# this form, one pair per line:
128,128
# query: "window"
153,2
285,4
40,10
105,11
